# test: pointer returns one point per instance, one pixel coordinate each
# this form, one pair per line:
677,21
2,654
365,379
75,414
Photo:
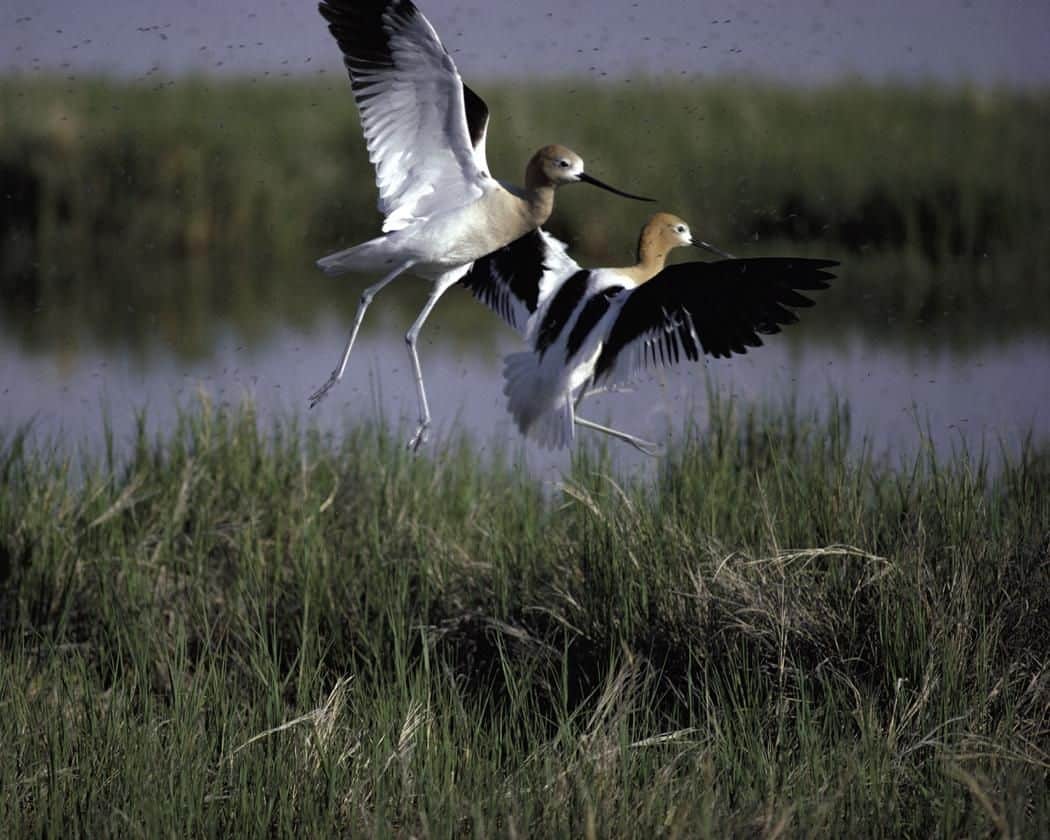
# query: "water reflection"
159,236
139,307
64,382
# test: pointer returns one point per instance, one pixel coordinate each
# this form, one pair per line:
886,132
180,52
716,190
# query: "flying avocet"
425,132
591,330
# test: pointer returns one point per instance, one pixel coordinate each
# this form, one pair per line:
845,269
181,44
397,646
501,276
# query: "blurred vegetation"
198,203
242,630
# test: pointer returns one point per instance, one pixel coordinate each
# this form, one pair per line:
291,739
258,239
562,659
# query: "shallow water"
899,393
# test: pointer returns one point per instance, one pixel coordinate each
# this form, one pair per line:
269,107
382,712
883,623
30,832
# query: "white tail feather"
373,255
542,412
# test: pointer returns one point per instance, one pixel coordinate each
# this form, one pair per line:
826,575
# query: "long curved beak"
707,246
587,179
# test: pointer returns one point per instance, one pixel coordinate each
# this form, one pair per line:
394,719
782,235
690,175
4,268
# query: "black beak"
707,246
587,179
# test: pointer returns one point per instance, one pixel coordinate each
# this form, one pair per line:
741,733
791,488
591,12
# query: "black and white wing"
718,308
517,279
424,128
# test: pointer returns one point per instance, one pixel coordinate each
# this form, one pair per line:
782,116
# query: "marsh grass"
193,165
269,631
201,201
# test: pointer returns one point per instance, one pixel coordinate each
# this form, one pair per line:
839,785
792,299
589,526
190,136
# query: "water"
900,392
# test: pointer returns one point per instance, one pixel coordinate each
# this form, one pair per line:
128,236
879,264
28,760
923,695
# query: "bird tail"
542,411
372,255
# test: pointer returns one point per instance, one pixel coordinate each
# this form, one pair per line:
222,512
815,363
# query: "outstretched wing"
424,128
517,279
718,308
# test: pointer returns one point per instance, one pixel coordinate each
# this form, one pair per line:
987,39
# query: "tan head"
664,232
555,165
661,234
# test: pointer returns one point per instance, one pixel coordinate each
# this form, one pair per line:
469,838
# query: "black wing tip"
358,24
805,273
815,262
815,281
769,286
477,113
741,264
364,7
819,277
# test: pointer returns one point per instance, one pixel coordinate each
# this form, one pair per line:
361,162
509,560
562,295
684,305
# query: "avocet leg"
366,299
607,389
654,450
442,285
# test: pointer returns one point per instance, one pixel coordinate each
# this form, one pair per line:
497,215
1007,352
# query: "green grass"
201,201
234,630
188,166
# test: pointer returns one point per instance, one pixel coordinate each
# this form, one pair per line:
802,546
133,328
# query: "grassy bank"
194,199
277,633
184,167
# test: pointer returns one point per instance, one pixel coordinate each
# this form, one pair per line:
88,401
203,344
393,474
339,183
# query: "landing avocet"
592,330
425,132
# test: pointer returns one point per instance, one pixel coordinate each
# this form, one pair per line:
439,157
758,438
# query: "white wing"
425,130
559,268
518,279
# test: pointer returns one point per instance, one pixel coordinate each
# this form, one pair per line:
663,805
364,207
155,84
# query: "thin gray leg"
441,285
647,447
606,389
366,299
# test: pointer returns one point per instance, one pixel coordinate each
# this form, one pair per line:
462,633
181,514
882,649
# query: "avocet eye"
680,229
564,164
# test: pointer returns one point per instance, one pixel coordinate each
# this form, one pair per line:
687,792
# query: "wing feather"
717,308
424,129
516,280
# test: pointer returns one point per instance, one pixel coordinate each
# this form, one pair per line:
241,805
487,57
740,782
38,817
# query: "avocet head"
671,230
665,231
557,165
